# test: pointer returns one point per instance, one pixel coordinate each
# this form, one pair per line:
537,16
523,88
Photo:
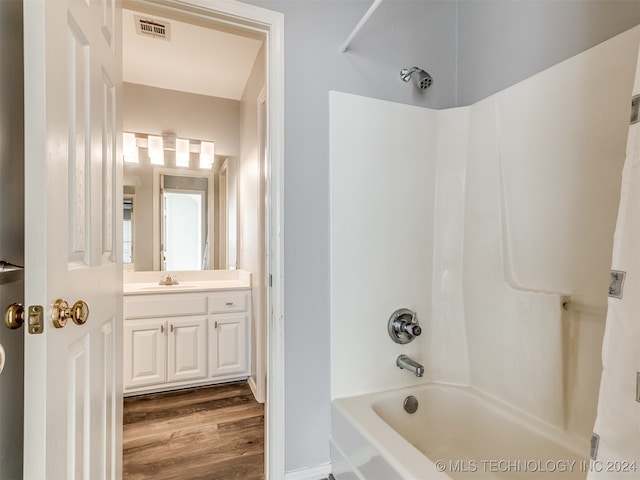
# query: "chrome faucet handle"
403,326
412,329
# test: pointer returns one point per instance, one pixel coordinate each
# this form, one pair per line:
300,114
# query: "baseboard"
253,386
318,472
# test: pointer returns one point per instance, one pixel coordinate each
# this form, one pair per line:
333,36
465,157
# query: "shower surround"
495,223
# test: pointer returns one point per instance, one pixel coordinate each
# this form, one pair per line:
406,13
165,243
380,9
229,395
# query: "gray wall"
401,33
502,42
11,231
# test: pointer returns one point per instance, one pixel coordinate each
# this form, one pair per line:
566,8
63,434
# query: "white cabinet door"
145,350
228,344
187,347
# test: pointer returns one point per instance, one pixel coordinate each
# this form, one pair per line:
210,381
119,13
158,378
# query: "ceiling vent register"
148,27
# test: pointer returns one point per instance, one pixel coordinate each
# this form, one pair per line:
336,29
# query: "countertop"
145,283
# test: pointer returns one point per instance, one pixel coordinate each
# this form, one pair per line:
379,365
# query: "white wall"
382,195
447,350
543,184
526,187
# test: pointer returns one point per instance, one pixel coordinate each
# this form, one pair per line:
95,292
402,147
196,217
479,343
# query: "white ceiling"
195,59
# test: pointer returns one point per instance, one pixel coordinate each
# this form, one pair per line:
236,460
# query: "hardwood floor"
213,433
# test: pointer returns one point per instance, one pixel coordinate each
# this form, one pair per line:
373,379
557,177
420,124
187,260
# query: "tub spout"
414,367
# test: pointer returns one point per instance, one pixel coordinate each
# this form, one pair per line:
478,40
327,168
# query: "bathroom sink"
178,286
154,287
151,286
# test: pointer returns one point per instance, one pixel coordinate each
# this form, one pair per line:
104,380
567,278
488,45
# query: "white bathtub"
456,433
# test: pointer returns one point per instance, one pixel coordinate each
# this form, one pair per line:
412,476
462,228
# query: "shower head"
423,79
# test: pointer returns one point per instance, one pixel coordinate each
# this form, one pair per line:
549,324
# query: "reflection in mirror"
158,238
127,227
181,224
184,225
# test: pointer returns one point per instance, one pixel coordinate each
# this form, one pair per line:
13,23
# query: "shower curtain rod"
345,46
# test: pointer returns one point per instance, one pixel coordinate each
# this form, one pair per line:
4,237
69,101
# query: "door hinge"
270,280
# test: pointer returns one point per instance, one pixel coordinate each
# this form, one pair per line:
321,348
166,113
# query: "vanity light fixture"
206,154
157,144
182,152
129,147
156,150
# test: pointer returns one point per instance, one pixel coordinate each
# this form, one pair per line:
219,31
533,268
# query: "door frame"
271,24
261,373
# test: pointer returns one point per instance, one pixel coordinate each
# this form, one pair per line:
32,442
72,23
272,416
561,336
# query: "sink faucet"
168,281
405,362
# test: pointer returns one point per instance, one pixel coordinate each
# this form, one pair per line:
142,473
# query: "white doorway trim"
271,24
259,387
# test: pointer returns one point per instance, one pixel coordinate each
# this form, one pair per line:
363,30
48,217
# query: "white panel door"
187,347
228,344
145,347
73,375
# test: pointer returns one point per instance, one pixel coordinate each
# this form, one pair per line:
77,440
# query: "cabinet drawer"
142,306
229,302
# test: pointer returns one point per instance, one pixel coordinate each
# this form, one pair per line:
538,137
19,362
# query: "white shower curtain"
615,445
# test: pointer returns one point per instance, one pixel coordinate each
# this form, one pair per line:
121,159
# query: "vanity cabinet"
229,333
186,349
185,339
227,338
159,351
145,353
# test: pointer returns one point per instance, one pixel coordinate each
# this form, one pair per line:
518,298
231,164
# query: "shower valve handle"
412,329
403,326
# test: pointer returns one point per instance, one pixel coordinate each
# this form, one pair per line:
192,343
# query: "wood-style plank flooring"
213,433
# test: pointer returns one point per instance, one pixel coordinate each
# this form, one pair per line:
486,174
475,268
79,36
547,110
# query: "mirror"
179,218
184,222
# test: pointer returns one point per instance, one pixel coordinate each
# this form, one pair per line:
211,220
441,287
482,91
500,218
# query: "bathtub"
456,433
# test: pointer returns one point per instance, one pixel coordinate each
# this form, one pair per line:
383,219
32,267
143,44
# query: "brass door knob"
61,312
14,316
